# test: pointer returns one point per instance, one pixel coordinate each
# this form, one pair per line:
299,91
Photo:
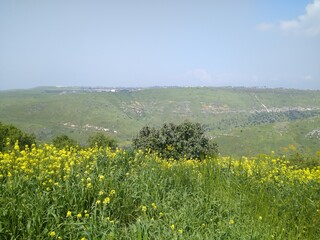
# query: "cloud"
307,24
201,75
265,27
205,78
308,81
308,78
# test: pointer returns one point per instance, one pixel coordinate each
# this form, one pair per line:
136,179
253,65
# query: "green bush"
301,161
101,140
64,141
176,141
9,134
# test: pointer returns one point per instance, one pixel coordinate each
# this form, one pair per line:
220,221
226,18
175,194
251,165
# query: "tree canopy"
64,141
176,141
9,134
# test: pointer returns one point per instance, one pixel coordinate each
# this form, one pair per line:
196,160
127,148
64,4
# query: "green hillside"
243,121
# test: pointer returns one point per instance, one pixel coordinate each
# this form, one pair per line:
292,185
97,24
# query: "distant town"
68,90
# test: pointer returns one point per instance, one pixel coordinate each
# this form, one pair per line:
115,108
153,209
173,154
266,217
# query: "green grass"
149,198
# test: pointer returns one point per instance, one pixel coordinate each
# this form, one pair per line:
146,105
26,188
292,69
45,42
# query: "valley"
243,121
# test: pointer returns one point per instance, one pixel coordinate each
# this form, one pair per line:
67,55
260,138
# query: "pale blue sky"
145,43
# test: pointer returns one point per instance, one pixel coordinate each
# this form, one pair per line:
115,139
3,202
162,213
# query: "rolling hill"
243,121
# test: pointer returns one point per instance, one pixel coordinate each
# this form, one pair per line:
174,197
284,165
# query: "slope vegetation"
241,120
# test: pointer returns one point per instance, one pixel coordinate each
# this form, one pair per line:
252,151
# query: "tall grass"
46,193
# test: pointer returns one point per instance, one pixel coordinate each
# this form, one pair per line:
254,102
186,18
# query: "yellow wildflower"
154,206
52,234
69,213
101,193
16,146
101,177
172,227
144,208
106,201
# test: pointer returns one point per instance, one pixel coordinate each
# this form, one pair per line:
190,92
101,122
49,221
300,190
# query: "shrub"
64,141
102,140
176,141
9,134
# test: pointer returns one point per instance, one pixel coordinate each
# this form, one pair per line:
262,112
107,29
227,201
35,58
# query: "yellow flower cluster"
52,167
46,163
103,199
268,169
263,168
95,172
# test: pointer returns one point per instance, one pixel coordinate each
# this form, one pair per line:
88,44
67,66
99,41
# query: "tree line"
170,141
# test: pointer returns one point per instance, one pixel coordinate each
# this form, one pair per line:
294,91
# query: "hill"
243,121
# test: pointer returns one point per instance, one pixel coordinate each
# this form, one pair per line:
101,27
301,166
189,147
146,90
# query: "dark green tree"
64,141
176,141
102,140
9,134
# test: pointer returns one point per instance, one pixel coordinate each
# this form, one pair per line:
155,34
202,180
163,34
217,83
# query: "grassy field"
91,193
46,193
243,121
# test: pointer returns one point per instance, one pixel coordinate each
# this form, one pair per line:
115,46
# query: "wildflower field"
47,193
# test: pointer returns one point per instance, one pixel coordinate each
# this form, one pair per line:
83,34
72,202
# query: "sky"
145,43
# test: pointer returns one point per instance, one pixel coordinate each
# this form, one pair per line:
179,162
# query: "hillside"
241,120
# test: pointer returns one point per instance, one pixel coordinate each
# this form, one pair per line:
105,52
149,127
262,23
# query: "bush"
101,140
9,134
63,141
176,141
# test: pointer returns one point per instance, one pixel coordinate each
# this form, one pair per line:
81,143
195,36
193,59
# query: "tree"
9,134
176,141
64,141
102,140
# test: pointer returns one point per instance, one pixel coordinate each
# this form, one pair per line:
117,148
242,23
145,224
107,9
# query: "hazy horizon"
273,44
150,87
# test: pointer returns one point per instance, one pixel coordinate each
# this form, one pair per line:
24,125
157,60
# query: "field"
96,193
243,121
92,193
